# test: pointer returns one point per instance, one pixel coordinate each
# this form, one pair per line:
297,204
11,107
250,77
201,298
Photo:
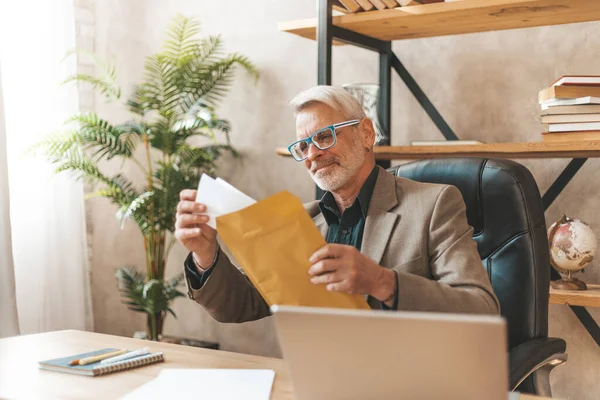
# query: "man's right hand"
192,231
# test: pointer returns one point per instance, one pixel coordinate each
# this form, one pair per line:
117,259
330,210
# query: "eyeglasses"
323,138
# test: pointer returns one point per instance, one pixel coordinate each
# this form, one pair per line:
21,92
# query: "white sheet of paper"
220,198
233,189
213,384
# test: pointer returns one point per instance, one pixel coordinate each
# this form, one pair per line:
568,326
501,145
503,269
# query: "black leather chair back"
505,209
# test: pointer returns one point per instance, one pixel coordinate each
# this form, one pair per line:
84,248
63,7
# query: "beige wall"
485,85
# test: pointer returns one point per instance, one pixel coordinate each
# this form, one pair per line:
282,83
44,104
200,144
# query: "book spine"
129,364
391,3
380,5
567,92
365,5
574,126
351,5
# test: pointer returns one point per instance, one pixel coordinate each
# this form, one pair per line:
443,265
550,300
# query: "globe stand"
568,283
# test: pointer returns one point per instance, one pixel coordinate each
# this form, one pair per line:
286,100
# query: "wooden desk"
21,378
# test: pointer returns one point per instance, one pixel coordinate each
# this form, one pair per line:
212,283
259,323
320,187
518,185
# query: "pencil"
89,360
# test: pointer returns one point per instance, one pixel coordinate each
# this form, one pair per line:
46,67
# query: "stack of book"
354,6
571,109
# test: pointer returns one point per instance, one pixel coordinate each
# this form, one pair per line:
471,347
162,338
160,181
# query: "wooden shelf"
579,149
457,17
585,298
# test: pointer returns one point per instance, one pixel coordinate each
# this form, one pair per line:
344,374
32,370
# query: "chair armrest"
529,356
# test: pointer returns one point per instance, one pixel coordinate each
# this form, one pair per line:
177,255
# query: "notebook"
95,369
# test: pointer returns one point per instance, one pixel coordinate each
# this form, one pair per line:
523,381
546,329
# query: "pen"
89,360
126,356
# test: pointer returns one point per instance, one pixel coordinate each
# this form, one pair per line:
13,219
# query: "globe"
572,248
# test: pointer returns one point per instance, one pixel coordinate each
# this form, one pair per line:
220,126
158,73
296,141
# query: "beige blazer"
418,229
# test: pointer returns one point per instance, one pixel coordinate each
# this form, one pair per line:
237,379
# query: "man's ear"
368,133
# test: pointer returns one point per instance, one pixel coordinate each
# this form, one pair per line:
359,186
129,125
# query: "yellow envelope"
272,241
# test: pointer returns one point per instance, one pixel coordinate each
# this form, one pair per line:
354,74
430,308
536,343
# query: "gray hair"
336,98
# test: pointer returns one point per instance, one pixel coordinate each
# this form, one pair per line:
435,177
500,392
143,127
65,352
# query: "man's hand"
345,269
191,229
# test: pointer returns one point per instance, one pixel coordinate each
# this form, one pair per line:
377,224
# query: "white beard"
342,170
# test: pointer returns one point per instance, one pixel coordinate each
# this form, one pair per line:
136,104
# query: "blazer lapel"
321,224
380,223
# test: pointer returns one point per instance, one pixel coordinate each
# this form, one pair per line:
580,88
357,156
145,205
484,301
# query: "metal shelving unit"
374,31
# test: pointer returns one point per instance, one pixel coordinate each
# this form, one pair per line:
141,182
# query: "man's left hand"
345,269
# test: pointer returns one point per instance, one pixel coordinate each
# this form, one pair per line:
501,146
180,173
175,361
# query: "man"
405,245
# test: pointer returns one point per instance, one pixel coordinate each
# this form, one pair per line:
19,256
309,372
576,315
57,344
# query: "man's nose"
313,152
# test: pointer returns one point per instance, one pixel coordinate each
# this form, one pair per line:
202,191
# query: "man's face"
333,168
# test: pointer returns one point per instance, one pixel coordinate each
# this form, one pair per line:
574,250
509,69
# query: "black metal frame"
326,32
551,194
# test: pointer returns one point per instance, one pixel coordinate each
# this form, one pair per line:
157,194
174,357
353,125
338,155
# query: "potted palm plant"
173,105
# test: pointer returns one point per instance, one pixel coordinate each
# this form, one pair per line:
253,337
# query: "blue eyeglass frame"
332,128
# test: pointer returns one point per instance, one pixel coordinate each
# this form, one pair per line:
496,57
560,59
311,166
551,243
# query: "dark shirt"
347,228
196,280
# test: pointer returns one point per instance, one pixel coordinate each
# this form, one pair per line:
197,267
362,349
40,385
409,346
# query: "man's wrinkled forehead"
314,117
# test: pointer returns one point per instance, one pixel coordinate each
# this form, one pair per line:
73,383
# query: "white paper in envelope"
220,198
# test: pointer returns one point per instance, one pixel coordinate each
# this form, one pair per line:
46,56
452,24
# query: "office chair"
505,209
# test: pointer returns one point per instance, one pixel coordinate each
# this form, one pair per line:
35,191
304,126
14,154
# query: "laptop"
371,354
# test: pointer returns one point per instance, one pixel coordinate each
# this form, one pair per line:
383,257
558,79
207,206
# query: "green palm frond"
200,157
123,188
181,44
210,49
153,91
220,125
151,297
138,128
154,296
169,180
103,86
99,135
130,283
171,287
210,82
106,84
117,189
195,157
162,135
194,105
192,124
57,146
137,210
83,167
204,124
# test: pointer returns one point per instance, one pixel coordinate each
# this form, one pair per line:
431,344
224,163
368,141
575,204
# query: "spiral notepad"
96,369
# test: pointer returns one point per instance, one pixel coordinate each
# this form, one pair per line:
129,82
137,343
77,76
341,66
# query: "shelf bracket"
562,181
422,98
359,40
588,322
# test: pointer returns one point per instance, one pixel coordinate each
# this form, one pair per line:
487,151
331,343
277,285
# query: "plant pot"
179,340
190,342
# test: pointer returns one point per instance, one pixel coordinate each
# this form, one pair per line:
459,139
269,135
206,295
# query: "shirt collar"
330,209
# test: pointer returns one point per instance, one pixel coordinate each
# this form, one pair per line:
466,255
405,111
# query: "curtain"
47,217
9,325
